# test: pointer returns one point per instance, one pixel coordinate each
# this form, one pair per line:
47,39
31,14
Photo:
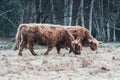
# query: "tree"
70,12
52,12
101,17
90,15
108,21
80,13
65,12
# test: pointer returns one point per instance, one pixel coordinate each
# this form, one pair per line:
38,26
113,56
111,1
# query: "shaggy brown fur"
44,34
86,39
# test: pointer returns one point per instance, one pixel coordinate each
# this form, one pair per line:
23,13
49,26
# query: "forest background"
100,17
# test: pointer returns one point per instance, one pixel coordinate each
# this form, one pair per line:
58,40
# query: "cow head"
77,47
93,43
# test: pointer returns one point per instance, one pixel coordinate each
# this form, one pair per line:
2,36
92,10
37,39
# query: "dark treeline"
101,17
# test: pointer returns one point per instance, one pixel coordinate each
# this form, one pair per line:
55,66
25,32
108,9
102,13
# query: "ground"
90,65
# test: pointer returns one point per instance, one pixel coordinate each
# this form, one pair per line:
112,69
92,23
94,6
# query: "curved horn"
93,41
90,40
77,41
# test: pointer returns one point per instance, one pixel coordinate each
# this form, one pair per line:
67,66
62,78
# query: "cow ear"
76,41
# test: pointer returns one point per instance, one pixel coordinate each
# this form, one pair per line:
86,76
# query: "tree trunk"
82,12
108,30
97,27
65,12
114,33
52,12
108,22
102,18
114,23
90,16
70,12
78,14
32,11
39,12
22,18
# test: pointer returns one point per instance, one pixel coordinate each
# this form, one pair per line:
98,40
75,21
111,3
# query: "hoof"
77,53
19,54
58,53
45,53
34,54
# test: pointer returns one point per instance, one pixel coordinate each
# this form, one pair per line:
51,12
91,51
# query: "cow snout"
77,48
77,52
93,47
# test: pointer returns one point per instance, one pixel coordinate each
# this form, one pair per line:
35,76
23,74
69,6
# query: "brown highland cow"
46,35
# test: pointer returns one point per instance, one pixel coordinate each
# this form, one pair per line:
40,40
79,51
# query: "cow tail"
18,38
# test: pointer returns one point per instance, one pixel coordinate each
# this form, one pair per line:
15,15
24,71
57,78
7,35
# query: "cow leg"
31,48
58,49
22,45
70,51
48,50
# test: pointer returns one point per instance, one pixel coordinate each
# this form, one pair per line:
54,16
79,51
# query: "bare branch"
5,12
8,20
